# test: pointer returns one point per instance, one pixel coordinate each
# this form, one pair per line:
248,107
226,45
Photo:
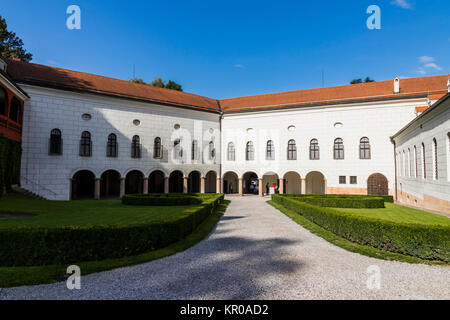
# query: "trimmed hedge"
386,198
345,202
64,245
159,200
425,242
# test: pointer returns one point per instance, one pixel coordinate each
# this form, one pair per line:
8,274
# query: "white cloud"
426,59
433,65
52,62
238,65
402,4
421,71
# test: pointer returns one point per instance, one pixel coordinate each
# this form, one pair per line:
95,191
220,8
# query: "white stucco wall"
377,121
47,109
434,125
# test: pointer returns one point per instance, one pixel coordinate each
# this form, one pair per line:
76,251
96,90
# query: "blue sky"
223,49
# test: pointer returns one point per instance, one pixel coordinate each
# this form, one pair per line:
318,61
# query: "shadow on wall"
90,155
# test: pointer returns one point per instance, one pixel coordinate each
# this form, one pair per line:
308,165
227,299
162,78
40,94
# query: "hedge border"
386,198
338,202
63,245
425,242
159,200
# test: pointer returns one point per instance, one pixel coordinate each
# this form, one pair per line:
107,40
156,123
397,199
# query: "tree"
174,86
11,46
366,80
158,82
138,80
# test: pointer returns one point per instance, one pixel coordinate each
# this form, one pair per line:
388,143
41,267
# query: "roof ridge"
375,83
146,86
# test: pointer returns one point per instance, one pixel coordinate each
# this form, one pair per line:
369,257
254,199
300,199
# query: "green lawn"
80,213
346,244
400,214
18,276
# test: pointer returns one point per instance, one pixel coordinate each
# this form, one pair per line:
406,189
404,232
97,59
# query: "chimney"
396,85
448,84
3,65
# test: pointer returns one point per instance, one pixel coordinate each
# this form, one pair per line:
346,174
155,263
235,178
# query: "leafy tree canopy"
11,46
160,83
366,80
138,80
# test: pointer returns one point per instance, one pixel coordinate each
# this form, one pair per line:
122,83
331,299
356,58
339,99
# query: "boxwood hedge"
44,246
345,202
159,200
386,198
425,242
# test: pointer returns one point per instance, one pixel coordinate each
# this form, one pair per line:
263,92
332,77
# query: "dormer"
396,85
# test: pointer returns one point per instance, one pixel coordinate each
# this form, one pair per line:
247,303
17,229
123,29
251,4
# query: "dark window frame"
55,143
157,148
353,180
85,144
314,150
292,150
250,151
342,179
112,147
136,147
364,149
270,150
338,150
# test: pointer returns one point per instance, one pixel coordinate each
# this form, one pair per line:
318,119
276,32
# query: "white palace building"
87,136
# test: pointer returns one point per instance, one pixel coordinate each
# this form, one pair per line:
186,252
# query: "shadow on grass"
18,276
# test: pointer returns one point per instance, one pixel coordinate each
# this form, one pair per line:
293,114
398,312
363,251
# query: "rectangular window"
342,179
353,180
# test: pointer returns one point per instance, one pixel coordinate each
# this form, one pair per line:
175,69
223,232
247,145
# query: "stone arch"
292,182
133,169
268,180
156,181
134,182
73,172
194,180
315,183
230,182
166,174
377,184
110,184
176,181
101,172
250,183
83,185
211,182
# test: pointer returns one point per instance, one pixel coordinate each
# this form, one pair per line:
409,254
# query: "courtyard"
255,252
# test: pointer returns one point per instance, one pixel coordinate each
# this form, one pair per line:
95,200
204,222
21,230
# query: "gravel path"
255,252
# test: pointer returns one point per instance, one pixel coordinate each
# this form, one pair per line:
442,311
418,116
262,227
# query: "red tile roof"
421,109
47,76
341,94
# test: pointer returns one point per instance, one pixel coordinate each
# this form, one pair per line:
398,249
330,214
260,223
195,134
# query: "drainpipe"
395,167
221,146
